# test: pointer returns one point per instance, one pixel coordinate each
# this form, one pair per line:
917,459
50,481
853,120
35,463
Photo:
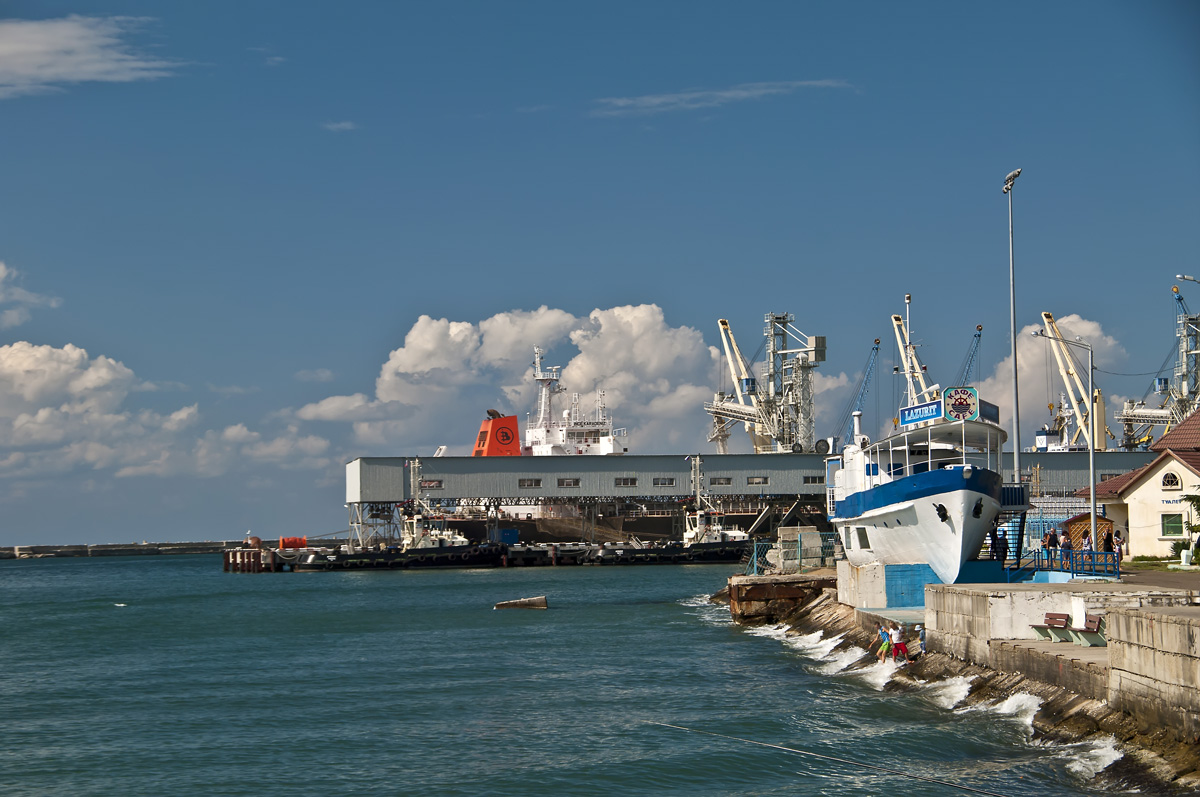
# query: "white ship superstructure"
571,433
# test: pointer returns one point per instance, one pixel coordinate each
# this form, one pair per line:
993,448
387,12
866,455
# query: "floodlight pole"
1012,320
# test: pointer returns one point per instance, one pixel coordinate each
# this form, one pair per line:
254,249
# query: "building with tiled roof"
1147,504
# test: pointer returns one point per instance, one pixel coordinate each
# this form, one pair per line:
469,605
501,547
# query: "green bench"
1092,633
1055,627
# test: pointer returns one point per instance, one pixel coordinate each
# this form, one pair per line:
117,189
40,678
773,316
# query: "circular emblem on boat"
504,436
962,404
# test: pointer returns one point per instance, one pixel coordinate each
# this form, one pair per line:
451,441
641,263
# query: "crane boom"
964,373
846,421
1082,407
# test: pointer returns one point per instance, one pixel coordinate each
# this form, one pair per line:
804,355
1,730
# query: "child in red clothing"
898,646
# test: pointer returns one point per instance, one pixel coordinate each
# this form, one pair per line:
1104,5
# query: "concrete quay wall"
1059,666
961,619
1155,667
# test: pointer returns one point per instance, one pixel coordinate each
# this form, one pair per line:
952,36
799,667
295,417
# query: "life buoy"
346,564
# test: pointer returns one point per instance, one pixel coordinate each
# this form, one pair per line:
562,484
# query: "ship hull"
940,518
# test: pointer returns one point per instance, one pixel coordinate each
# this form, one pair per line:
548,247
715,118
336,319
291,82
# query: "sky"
243,243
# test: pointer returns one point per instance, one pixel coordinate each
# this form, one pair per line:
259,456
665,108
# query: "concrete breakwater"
1080,695
117,549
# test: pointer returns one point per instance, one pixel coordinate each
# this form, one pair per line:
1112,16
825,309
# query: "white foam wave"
118,604
1089,759
878,674
839,660
778,632
1022,707
950,692
814,645
707,611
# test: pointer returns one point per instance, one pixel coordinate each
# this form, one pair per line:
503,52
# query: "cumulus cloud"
436,387
694,99
37,56
1037,373
63,411
15,302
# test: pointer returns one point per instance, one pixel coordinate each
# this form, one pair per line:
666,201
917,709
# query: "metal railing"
1076,563
778,557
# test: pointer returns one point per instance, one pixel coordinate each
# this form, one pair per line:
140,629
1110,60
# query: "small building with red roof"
1148,502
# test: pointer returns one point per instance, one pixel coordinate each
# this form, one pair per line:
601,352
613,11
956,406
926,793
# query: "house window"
625,481
814,479
664,481
758,480
568,482
1170,481
720,481
1172,525
529,484
431,484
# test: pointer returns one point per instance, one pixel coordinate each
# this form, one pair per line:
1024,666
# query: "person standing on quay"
1050,545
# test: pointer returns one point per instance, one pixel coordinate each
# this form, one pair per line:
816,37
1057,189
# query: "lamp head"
1010,179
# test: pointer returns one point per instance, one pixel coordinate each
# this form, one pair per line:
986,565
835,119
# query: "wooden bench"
1056,627
1092,633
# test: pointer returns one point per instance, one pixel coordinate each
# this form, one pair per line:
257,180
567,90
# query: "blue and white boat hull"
940,518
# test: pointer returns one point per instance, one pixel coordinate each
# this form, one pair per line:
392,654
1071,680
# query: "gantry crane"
1083,408
1181,393
778,413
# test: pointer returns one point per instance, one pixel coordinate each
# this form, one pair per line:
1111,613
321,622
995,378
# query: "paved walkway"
1163,579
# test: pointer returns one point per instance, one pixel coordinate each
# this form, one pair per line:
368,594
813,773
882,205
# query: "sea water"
165,676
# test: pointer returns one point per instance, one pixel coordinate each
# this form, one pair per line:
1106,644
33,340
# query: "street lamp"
1012,320
1083,344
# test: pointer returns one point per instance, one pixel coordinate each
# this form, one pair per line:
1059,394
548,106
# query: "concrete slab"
1064,650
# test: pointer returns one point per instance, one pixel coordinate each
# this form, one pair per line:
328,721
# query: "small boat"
929,493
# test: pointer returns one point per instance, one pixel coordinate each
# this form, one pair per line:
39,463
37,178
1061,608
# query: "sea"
166,676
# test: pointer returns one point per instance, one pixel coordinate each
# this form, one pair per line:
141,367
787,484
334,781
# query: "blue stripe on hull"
921,485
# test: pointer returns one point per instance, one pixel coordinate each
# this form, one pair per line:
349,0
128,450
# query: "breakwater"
117,549
1140,701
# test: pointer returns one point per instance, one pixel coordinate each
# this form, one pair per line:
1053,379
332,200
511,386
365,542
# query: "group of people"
1064,545
890,637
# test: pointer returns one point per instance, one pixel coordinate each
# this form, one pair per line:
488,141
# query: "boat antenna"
798,751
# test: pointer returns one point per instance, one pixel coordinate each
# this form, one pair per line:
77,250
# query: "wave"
1090,758
950,692
708,612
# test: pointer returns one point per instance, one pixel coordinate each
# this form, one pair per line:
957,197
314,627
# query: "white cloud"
10,294
340,127
436,387
705,98
37,56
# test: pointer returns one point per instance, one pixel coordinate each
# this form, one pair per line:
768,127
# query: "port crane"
964,371
1181,392
778,412
1083,407
845,422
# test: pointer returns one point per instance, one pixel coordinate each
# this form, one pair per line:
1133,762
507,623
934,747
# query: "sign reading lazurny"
929,411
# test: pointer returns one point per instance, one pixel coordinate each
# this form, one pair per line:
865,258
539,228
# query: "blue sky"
244,243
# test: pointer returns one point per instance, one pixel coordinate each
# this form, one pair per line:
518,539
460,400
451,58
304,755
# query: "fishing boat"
930,492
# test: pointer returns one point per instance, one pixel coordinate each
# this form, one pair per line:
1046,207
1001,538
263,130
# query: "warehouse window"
814,479
529,484
1172,525
758,480
664,481
625,481
720,481
568,482
431,484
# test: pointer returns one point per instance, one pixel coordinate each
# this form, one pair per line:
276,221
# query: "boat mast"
914,371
